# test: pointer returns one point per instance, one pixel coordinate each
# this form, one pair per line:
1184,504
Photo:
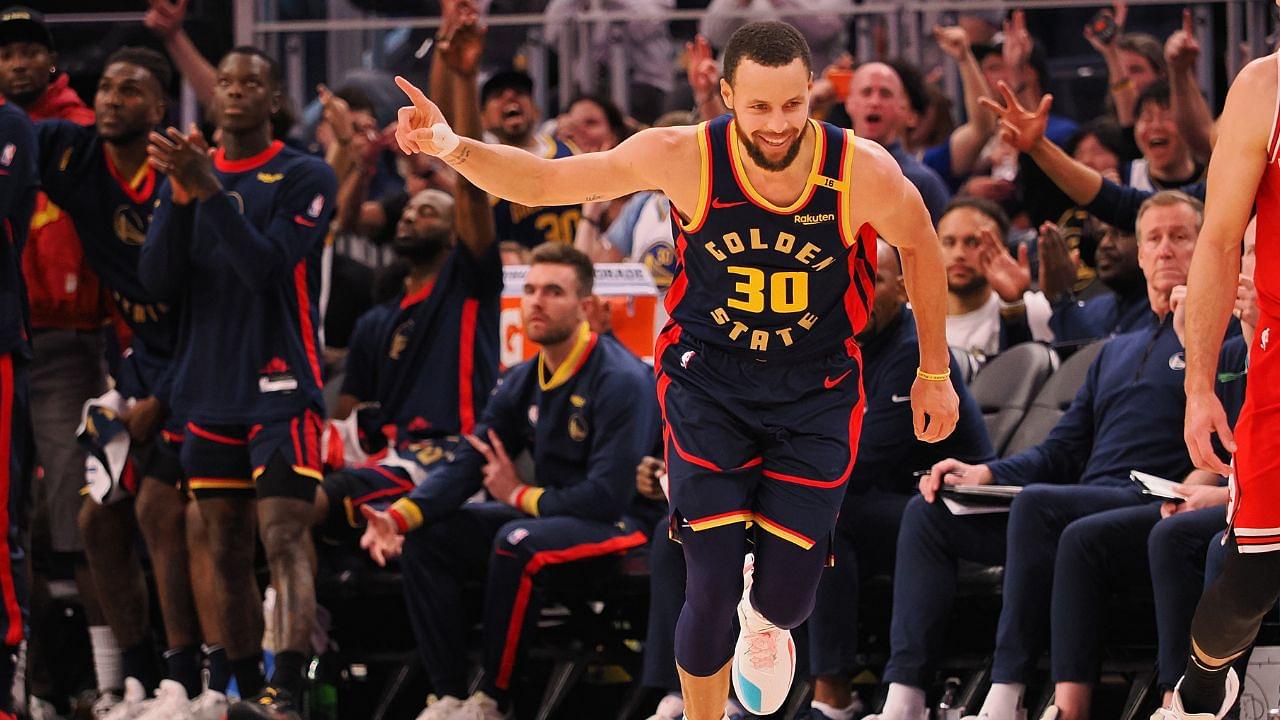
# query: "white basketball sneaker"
764,661
131,706
440,708
171,703
1175,712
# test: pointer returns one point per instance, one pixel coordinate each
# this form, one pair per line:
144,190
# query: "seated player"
112,223
1128,415
422,365
238,235
586,410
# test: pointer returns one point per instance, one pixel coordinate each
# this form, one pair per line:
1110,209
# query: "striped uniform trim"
407,514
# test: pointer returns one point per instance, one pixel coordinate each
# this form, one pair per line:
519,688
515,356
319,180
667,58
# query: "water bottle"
322,701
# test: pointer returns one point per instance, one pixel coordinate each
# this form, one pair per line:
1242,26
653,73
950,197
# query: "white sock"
671,706
107,664
1003,700
833,713
903,702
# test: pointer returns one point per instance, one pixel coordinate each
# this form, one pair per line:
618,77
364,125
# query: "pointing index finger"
415,95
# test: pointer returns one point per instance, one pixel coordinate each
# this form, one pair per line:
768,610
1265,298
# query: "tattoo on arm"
593,198
462,157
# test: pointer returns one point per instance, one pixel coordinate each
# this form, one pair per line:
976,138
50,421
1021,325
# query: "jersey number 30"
788,291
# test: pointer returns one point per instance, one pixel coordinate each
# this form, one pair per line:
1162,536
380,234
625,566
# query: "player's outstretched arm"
648,160
1235,169
894,209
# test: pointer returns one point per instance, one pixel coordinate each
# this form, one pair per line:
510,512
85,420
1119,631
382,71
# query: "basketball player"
111,222
758,373
1242,173
238,235
19,180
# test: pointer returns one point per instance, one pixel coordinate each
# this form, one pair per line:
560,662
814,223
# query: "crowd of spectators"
256,331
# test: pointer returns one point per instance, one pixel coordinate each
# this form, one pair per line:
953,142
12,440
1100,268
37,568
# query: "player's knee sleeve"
704,633
1232,609
785,587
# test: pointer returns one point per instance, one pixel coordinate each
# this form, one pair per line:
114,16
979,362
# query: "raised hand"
1119,12
1010,278
1019,126
417,125
337,113
500,476
460,42
702,71
1057,269
164,17
1182,49
1017,41
953,41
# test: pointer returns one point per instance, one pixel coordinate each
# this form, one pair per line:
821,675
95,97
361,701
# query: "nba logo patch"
317,204
515,536
685,358
1178,361
6,155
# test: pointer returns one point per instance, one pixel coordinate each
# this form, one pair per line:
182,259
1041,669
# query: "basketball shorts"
274,459
763,443
1254,511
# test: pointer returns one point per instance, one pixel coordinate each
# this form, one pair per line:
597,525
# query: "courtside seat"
1052,400
967,363
1005,386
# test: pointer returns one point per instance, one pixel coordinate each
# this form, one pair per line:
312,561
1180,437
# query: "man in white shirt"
989,302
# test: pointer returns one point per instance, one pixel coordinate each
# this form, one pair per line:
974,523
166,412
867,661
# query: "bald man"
880,111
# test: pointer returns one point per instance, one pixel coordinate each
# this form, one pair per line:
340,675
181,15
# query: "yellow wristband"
933,377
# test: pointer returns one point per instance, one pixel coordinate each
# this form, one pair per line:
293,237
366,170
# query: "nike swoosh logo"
720,205
828,383
900,398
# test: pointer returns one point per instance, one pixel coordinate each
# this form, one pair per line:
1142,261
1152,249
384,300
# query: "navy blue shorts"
378,485
275,459
757,442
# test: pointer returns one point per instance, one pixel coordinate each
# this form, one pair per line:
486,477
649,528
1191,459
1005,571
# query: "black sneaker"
270,704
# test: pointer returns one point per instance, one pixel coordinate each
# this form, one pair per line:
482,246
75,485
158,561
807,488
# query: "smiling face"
771,109
877,103
1156,132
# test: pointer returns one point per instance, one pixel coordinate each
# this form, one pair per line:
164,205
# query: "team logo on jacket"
128,226
6,155
1178,361
268,178
515,536
578,428
400,340
317,204
533,414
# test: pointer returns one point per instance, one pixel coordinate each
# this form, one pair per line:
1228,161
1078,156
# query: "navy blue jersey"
112,224
429,359
246,265
533,226
769,281
18,183
587,426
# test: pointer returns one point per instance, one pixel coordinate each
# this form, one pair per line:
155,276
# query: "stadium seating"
1005,386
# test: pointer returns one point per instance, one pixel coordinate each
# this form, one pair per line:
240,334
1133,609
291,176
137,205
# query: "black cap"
506,80
22,24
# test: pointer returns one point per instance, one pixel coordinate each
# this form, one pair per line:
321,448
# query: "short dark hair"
273,67
553,253
357,99
984,206
913,83
147,59
1106,130
770,43
1157,92
612,115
